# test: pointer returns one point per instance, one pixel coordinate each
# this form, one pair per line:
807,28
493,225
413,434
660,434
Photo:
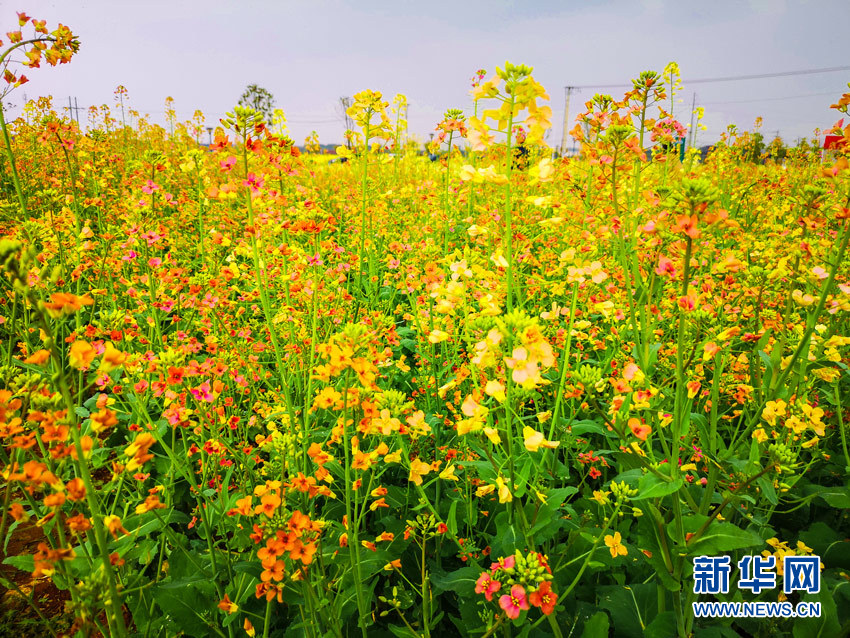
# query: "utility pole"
691,130
567,91
71,110
344,104
209,135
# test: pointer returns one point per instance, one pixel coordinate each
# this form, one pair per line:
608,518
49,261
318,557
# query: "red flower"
544,598
487,586
514,602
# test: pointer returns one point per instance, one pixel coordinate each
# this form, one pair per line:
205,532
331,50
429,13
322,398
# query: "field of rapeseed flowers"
248,391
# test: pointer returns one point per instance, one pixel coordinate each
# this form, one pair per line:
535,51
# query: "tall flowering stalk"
520,92
54,47
367,106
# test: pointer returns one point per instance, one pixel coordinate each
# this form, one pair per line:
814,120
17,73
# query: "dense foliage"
247,391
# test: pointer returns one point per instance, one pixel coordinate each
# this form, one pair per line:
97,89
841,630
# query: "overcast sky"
308,54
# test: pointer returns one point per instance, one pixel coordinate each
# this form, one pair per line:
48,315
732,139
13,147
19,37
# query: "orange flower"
76,489
112,358
113,525
63,303
81,354
687,224
16,511
38,357
273,549
54,500
243,506
103,420
228,606
319,457
710,350
150,503
362,461
79,524
299,522
615,545
269,503
275,572
138,449
640,430
303,552
417,470
381,502
693,388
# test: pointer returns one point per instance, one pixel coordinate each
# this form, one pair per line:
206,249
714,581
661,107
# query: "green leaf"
651,486
715,631
837,554
589,427
403,632
248,567
719,537
9,533
752,460
24,562
662,626
768,490
186,607
647,539
555,498
839,499
505,541
631,607
825,626
596,626
630,477
461,581
451,520
819,537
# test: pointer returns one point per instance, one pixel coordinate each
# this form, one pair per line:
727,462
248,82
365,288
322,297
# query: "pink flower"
487,586
203,392
665,267
503,563
514,602
254,182
150,187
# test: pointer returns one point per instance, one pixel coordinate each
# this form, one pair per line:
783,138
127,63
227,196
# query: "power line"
731,78
142,111
774,99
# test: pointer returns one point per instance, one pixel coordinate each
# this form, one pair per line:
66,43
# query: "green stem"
509,205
